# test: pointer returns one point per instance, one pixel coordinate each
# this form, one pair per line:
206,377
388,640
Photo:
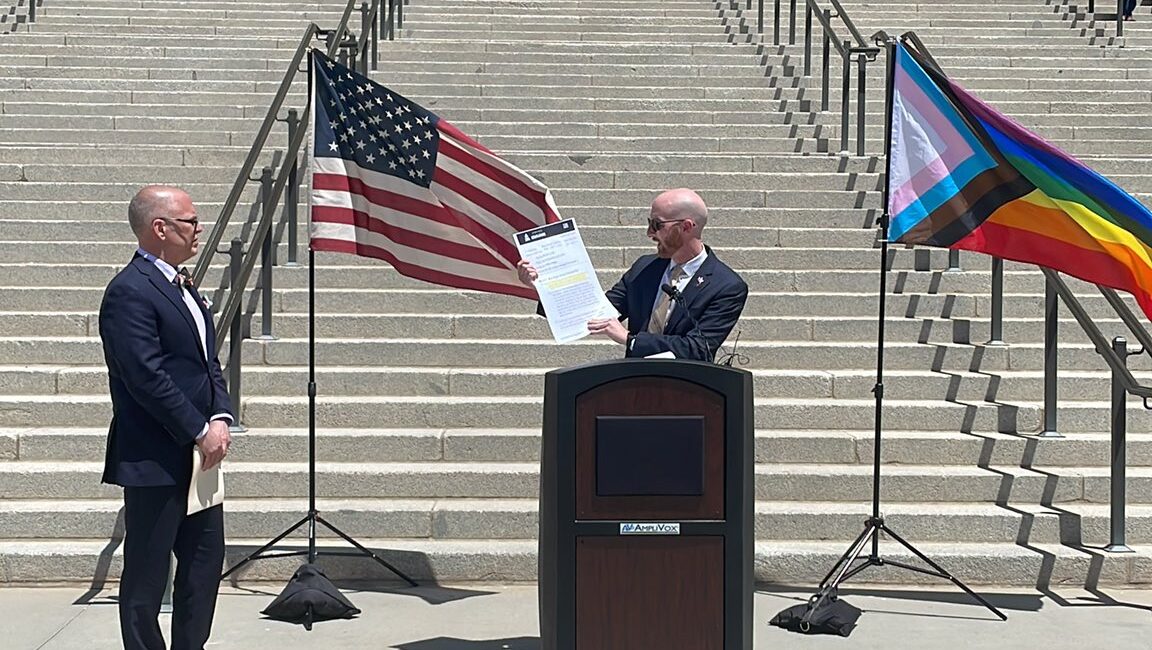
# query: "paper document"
207,488
567,285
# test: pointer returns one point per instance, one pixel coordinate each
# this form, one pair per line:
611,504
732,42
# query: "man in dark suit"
712,295
168,399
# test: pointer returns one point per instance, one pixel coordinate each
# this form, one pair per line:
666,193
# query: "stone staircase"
430,398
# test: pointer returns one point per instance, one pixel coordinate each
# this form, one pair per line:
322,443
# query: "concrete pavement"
488,617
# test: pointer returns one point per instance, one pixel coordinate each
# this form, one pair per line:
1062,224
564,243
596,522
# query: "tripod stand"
875,525
313,517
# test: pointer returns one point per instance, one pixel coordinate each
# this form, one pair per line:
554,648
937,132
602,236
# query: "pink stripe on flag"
935,166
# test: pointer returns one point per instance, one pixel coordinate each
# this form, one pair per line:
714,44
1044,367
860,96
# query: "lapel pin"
700,280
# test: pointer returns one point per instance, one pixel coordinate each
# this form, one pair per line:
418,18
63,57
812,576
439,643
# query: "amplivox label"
649,528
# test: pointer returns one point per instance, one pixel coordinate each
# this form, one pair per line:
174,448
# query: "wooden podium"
646,496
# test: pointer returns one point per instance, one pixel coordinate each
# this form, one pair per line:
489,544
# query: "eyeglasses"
654,224
194,221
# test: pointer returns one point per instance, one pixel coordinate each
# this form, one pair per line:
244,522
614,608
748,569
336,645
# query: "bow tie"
183,279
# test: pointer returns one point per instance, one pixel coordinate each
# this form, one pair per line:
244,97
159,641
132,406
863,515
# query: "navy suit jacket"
163,389
715,296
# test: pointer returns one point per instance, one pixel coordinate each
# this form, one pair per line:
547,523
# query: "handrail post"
1051,337
807,40
390,18
953,260
845,91
1091,6
235,335
1119,461
1119,18
400,15
861,101
32,10
365,30
292,196
791,22
996,335
824,67
776,23
376,40
759,16
266,252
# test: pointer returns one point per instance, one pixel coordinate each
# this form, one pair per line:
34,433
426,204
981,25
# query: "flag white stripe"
398,218
416,256
494,190
338,167
499,163
505,194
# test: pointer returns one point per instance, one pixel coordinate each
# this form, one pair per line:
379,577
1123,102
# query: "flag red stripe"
1096,267
491,204
450,129
382,197
404,237
498,245
498,176
420,272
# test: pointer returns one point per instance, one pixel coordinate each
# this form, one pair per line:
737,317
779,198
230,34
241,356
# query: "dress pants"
155,527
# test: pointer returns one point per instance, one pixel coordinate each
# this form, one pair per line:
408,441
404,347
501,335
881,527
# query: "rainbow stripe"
964,176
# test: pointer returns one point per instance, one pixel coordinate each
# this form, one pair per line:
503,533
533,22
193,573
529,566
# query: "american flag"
392,181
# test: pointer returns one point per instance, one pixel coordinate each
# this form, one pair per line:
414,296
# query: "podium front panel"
628,413
675,585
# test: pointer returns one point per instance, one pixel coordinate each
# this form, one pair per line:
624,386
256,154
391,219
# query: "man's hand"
527,273
610,327
214,445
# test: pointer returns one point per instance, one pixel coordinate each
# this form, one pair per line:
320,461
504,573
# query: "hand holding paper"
565,279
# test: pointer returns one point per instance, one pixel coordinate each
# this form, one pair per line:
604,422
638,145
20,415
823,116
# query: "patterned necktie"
183,279
660,312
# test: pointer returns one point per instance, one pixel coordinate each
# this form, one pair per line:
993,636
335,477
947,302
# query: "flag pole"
313,517
875,524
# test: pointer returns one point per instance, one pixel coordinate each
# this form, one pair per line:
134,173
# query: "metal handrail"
843,15
270,118
1115,354
336,40
1103,346
856,47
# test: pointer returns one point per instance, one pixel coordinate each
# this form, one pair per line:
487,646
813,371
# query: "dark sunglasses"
655,225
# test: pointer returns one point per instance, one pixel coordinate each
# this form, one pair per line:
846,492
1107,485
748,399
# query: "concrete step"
439,411
777,482
528,326
494,445
515,561
493,519
351,277
603,257
349,380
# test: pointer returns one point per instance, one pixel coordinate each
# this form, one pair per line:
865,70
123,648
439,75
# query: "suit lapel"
169,290
697,284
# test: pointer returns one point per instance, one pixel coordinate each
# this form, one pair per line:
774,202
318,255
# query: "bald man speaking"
707,299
